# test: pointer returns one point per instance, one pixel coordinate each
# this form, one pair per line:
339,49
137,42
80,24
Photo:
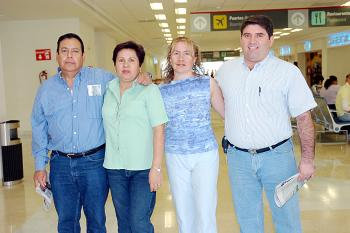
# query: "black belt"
257,151
81,154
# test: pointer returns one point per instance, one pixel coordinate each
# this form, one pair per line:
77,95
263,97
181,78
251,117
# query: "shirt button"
73,147
67,88
74,101
74,132
74,116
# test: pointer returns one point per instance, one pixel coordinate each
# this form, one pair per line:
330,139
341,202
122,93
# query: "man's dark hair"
261,20
140,52
70,36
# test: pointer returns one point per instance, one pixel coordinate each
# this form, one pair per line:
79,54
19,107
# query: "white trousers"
193,183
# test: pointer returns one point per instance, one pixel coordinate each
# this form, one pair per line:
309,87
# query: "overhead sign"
298,18
43,54
200,23
218,55
327,17
339,39
233,21
281,18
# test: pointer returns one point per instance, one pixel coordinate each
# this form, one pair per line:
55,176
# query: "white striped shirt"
260,102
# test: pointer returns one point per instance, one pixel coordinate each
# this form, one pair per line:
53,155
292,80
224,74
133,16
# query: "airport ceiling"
135,20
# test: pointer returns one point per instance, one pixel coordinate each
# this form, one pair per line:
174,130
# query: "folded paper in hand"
46,194
286,189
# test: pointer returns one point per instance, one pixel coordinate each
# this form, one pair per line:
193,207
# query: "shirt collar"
258,64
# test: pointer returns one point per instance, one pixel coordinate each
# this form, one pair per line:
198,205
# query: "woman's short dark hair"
70,36
139,50
261,20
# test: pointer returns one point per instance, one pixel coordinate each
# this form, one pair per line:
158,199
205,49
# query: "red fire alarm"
43,54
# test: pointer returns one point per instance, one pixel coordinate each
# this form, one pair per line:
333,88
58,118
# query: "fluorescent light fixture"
287,29
180,1
167,35
276,33
276,37
297,30
346,4
181,32
181,27
285,34
180,11
168,38
164,25
167,30
156,6
181,20
160,16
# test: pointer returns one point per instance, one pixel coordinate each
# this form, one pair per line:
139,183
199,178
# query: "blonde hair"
168,71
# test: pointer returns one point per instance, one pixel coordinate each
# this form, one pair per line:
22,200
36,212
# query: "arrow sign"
298,19
200,23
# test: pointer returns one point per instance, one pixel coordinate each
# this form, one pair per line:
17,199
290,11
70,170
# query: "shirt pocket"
94,107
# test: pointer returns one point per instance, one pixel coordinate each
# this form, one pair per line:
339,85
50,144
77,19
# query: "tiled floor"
325,201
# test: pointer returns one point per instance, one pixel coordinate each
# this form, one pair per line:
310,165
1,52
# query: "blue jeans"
132,199
345,117
78,183
250,174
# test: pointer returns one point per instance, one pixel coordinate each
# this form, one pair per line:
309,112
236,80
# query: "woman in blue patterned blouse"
190,145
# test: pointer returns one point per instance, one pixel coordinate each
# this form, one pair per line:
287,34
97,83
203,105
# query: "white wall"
20,69
87,34
2,91
104,50
338,62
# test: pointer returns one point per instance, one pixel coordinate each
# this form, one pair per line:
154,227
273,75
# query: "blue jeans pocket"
97,157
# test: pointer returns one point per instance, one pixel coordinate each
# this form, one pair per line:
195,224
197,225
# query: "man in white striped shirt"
261,93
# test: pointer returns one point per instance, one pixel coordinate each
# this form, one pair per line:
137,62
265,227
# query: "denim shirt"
68,120
187,103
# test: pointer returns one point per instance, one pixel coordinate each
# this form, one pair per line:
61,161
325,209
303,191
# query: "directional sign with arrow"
298,18
200,23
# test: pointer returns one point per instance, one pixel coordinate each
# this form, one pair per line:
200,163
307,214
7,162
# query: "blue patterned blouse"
187,103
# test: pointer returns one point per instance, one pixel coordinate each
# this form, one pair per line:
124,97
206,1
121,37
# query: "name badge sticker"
94,90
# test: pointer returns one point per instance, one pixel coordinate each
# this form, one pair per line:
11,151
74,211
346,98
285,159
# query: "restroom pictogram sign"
43,54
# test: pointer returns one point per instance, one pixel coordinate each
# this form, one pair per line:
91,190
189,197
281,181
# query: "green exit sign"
318,18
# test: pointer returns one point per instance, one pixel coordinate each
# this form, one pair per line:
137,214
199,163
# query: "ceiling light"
181,27
346,4
297,30
169,38
160,16
180,1
164,25
181,20
167,35
285,34
166,30
156,6
276,33
276,37
287,29
180,11
181,32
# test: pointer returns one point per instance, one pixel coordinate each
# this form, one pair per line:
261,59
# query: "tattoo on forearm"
306,132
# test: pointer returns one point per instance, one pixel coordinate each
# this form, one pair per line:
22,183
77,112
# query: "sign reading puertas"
43,54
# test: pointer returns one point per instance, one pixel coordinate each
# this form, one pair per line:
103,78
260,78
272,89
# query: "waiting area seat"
327,118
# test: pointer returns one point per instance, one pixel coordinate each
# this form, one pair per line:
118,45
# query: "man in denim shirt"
67,121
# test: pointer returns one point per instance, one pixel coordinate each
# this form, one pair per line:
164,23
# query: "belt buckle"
252,151
70,155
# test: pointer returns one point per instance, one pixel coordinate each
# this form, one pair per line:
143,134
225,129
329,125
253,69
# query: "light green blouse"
128,122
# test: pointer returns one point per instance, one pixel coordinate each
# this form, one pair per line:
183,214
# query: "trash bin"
11,153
